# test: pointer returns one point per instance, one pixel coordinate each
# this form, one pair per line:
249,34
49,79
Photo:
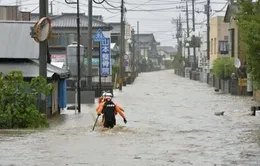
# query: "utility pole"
179,33
188,29
122,46
43,54
193,36
138,47
137,39
208,29
90,7
51,5
78,55
78,59
133,43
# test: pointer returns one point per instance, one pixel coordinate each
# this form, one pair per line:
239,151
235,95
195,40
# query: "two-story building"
167,54
219,38
148,51
236,49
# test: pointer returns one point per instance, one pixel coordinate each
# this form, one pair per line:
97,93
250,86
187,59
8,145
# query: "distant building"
148,47
167,52
20,52
13,13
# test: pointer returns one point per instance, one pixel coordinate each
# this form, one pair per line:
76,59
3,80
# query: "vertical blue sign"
105,63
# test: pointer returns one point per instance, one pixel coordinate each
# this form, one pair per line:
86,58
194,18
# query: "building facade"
13,13
219,37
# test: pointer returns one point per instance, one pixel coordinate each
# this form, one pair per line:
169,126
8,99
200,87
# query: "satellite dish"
237,63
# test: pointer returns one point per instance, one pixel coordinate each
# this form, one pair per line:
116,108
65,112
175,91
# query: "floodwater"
171,121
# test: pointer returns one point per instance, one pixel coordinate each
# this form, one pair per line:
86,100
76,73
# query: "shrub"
18,101
177,63
248,21
168,64
223,67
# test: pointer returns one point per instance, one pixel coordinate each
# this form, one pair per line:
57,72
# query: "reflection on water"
171,121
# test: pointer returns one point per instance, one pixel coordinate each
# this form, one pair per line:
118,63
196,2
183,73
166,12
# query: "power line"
112,5
98,2
130,8
108,9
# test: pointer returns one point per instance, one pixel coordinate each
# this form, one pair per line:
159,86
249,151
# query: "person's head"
103,94
108,96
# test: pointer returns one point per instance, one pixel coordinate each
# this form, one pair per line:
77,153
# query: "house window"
232,42
223,47
225,37
215,46
211,46
114,39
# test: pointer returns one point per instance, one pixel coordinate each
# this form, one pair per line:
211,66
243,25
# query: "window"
225,37
215,46
114,39
211,46
232,42
223,47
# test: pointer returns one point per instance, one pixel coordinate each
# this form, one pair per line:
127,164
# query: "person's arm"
100,108
121,108
120,112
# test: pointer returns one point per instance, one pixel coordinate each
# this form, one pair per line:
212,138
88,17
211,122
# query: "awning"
30,69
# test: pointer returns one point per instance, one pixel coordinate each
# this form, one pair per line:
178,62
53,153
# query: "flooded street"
171,121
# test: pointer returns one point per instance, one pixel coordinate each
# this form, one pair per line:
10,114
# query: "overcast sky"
154,16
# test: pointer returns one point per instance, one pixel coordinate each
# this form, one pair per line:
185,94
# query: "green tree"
18,101
248,21
223,67
178,62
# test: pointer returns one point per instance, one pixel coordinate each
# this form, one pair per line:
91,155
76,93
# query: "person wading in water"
109,110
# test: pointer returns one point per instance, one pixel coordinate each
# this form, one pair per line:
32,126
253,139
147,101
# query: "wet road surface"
171,121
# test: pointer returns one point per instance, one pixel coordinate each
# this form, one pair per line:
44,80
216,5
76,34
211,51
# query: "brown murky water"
171,121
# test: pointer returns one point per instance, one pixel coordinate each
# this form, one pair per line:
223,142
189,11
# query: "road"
171,121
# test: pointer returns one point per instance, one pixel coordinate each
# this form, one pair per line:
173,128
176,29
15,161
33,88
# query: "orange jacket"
117,110
101,99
